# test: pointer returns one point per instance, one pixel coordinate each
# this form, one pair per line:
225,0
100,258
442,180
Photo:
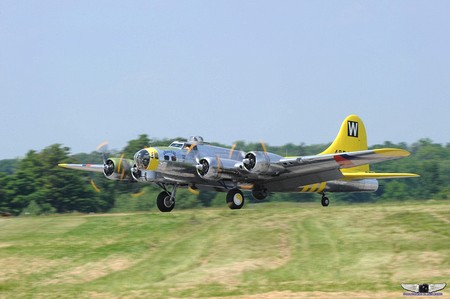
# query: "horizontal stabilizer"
350,160
392,152
377,175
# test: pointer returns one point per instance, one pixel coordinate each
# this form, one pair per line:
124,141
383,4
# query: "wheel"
325,201
259,193
164,203
235,199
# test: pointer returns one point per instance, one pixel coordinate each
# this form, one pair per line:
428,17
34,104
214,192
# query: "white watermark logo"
423,289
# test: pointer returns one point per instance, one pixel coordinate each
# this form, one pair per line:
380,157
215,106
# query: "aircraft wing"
84,167
319,168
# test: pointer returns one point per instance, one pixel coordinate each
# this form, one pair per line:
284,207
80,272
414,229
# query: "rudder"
352,137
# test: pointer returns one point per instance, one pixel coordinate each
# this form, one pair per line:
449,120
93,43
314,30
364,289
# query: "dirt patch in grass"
13,268
4,245
230,272
412,265
92,270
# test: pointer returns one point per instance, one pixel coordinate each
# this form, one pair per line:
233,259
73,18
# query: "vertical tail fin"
351,137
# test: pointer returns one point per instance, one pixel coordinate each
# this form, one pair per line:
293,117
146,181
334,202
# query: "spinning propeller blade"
97,189
232,150
194,191
138,194
121,166
103,148
190,149
263,146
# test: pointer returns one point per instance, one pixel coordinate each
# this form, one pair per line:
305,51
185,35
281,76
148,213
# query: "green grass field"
262,251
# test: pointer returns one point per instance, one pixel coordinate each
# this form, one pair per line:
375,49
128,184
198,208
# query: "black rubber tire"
325,201
235,199
259,194
161,202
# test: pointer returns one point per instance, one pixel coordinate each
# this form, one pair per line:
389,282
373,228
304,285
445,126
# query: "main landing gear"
166,200
325,200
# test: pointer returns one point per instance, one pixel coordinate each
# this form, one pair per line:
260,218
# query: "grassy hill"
262,251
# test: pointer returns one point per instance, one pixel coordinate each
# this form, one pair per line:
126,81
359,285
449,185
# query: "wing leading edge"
84,167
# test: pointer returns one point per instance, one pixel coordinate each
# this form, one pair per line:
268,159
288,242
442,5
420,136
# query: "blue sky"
80,72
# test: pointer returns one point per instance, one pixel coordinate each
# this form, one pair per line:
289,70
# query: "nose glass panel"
142,159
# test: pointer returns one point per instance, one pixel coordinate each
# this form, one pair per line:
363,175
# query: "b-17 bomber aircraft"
342,167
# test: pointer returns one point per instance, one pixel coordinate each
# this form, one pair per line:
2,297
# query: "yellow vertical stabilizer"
352,137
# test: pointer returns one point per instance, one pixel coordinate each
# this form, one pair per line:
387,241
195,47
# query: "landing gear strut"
325,200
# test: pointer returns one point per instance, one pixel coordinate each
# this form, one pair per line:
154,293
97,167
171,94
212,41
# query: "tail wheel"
325,201
235,199
164,202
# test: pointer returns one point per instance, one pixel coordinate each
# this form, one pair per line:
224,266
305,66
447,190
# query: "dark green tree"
9,166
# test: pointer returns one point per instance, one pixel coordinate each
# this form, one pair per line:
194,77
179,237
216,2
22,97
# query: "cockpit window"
176,144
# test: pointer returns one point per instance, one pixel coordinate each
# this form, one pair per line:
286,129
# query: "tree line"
36,185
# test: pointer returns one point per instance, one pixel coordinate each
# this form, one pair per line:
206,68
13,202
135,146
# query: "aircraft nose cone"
142,159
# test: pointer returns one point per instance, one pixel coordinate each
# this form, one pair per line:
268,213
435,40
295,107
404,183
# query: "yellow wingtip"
396,152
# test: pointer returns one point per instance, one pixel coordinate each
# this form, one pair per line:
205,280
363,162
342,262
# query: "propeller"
103,148
233,147
263,146
249,160
194,190
203,167
190,148
219,169
138,194
121,166
96,188
108,168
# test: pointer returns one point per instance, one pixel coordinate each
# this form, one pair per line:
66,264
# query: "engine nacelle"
118,169
214,168
262,163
